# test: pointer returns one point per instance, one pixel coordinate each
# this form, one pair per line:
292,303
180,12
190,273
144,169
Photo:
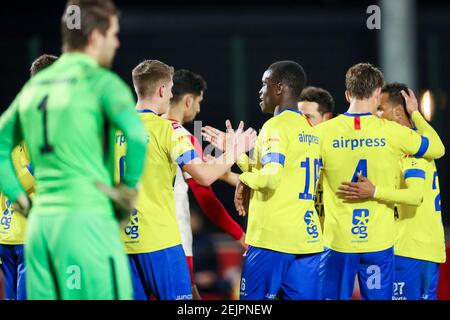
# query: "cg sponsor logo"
360,220
311,226
132,229
243,285
5,221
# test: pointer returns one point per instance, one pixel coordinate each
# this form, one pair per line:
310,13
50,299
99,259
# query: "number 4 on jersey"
360,168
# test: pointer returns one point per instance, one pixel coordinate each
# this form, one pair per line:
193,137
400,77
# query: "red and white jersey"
180,190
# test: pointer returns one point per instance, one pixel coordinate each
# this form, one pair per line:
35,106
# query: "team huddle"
94,201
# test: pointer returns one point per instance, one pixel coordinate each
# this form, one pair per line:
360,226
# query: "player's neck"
87,51
285,104
405,122
176,113
147,104
360,106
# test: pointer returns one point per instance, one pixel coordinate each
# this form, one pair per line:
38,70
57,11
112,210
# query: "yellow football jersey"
153,225
13,223
282,216
420,233
352,143
319,201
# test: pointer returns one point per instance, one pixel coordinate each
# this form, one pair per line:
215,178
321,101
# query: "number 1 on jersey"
121,168
46,148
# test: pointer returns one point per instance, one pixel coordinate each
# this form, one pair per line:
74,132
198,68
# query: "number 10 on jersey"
317,164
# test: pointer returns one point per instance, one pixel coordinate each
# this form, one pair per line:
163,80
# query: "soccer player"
63,114
420,241
283,233
13,223
188,92
359,235
152,238
317,104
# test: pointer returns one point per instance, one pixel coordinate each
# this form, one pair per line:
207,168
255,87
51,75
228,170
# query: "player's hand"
245,141
241,198
218,138
239,141
363,189
23,204
242,242
411,101
215,137
124,197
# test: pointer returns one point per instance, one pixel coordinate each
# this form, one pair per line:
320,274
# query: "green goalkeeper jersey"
67,114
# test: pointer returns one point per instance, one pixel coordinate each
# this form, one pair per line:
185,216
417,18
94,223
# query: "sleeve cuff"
243,162
375,193
249,179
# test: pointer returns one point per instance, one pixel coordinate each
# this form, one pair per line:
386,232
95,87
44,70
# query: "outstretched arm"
237,143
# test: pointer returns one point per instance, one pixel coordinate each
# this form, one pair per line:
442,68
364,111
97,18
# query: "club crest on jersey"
311,226
360,220
132,229
5,221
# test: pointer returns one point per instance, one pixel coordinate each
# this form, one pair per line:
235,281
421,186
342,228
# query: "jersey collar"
357,114
290,109
146,111
78,57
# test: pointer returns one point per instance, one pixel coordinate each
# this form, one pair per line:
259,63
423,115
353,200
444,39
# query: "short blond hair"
148,75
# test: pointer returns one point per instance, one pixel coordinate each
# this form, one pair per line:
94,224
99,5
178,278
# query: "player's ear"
348,97
279,88
94,38
162,90
398,111
188,99
377,93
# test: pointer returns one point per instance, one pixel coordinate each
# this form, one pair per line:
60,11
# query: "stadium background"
230,43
